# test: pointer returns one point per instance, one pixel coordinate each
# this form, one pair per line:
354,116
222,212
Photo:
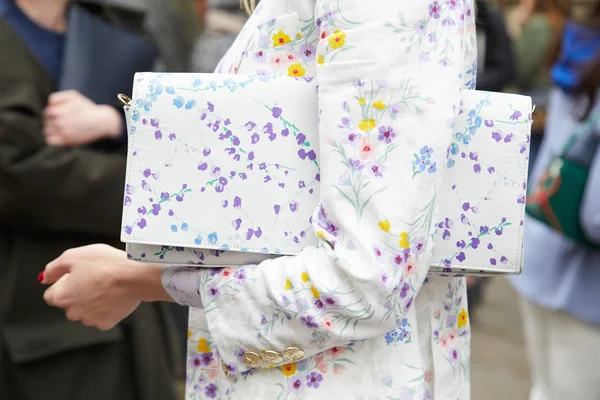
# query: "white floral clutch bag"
219,173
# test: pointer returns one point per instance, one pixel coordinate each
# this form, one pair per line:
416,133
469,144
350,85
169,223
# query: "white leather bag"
218,173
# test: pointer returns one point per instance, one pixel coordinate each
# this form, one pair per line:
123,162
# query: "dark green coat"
53,199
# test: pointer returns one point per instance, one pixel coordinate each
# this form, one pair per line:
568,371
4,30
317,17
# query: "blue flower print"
213,238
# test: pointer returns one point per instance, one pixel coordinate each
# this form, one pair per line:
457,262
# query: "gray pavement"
499,368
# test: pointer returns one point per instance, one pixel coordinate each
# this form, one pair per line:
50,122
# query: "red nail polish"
41,277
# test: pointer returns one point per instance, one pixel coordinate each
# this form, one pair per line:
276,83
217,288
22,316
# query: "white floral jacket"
357,317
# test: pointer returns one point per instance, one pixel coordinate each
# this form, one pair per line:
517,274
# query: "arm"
374,220
45,188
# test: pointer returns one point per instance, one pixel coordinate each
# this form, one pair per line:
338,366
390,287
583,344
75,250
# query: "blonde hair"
248,5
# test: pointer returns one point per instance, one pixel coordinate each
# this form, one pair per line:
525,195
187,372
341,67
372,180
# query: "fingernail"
41,277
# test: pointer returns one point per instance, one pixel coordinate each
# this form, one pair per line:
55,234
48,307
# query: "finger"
55,295
74,314
57,268
62,96
55,140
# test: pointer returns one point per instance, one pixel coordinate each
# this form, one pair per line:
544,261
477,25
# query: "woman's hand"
71,119
99,286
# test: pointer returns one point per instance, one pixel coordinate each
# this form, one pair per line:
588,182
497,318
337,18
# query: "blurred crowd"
62,164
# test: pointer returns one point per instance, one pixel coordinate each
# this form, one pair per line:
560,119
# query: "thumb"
55,270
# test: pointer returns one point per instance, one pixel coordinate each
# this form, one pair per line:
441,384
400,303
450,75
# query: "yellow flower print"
289,369
379,105
404,240
362,101
189,333
315,292
288,284
203,346
281,38
298,35
320,234
337,40
296,70
385,225
305,277
463,318
367,124
320,59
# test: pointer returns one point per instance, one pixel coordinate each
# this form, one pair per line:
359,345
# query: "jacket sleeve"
386,117
44,188
590,206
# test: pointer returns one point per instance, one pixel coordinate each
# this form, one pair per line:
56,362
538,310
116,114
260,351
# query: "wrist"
110,118
143,282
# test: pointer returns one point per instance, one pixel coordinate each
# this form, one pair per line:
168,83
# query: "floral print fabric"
371,322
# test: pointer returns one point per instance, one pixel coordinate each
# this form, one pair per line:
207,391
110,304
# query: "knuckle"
73,315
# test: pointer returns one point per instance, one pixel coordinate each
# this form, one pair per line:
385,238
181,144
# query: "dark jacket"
498,69
53,199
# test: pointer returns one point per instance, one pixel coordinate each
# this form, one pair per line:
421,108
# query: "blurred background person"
62,168
223,20
560,284
495,58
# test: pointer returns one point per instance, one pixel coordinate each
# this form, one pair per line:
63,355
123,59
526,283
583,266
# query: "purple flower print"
216,172
508,138
295,385
475,242
285,132
211,391
452,4
420,29
351,138
404,290
147,173
240,276
300,138
434,9
309,322
356,164
202,166
207,358
255,138
313,380
237,223
454,356
250,125
276,208
332,228
446,235
307,51
466,206
237,202
155,209
376,168
319,305
276,112
386,134
195,362
293,206
497,136
344,122
477,168
516,115
213,291
461,257
461,244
